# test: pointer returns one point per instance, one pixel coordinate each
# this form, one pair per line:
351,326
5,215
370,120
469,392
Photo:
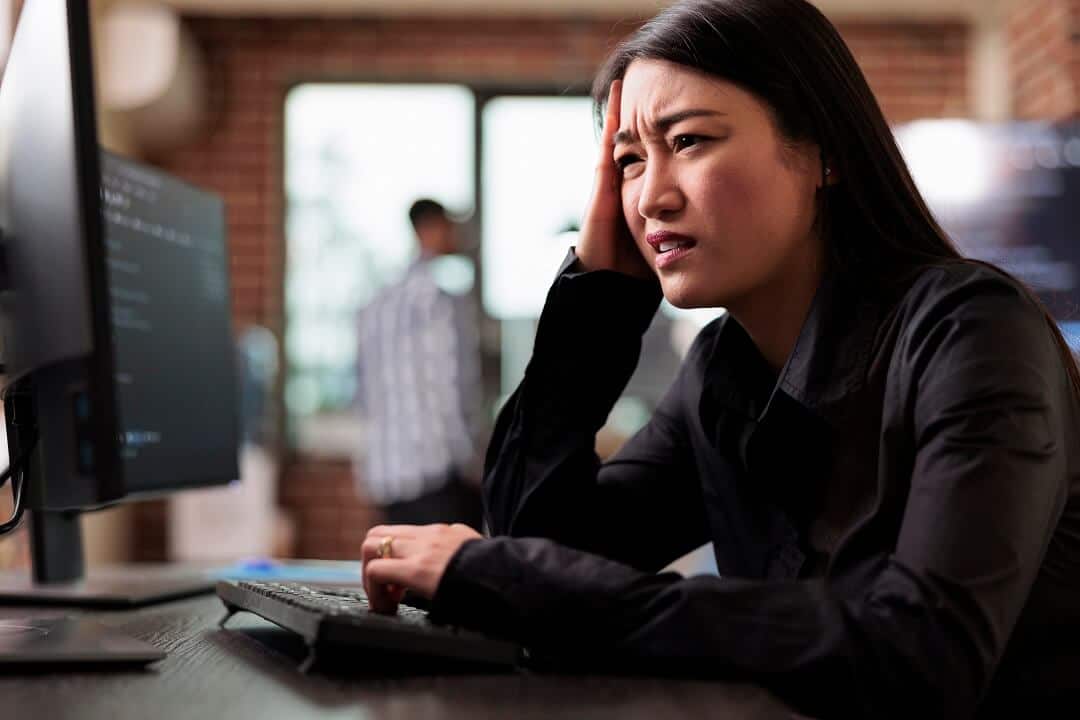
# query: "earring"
828,171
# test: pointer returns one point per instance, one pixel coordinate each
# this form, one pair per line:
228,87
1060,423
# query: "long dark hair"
788,55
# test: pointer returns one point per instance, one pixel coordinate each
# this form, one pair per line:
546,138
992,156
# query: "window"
538,159
356,157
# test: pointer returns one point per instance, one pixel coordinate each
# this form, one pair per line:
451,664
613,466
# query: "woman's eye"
626,161
684,141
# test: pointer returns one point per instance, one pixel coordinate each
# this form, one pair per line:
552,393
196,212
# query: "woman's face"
715,201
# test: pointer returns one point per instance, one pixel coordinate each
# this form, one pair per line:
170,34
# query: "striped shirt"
418,388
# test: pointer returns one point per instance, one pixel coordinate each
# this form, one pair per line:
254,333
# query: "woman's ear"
828,171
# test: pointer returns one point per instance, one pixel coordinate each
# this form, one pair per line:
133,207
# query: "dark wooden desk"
249,671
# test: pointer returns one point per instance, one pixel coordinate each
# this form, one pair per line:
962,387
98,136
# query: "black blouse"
895,518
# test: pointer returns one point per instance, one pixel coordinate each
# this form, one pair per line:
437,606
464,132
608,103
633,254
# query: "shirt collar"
833,349
827,364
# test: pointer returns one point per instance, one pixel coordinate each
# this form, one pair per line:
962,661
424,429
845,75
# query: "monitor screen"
1007,193
172,334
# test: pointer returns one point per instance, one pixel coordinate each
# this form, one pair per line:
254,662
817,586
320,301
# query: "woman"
880,438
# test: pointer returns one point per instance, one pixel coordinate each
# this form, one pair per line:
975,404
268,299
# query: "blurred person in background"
419,389
881,438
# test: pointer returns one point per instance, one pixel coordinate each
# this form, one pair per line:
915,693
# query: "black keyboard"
336,621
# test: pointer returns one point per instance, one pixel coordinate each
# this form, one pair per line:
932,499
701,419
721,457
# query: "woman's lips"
670,247
665,259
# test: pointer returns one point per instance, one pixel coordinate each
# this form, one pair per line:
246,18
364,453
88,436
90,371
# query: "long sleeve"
912,632
542,476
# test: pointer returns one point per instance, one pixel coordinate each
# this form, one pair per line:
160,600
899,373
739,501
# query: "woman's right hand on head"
605,242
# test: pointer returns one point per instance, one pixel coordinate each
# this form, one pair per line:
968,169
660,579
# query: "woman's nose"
660,194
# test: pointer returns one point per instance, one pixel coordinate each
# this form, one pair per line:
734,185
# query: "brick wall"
1044,58
331,520
917,70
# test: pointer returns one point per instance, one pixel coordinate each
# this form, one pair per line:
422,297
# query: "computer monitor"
114,297
1008,193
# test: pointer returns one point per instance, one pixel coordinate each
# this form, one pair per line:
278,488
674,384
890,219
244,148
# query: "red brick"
1044,59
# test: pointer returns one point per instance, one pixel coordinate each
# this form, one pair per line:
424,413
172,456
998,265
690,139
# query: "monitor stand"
59,576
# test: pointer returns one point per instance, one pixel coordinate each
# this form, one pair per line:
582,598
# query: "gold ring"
386,547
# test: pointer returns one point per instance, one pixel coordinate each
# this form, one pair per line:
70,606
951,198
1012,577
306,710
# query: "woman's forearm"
587,346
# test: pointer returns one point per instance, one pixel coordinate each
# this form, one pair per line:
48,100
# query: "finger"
399,548
606,164
611,112
370,548
376,547
383,598
608,175
392,578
